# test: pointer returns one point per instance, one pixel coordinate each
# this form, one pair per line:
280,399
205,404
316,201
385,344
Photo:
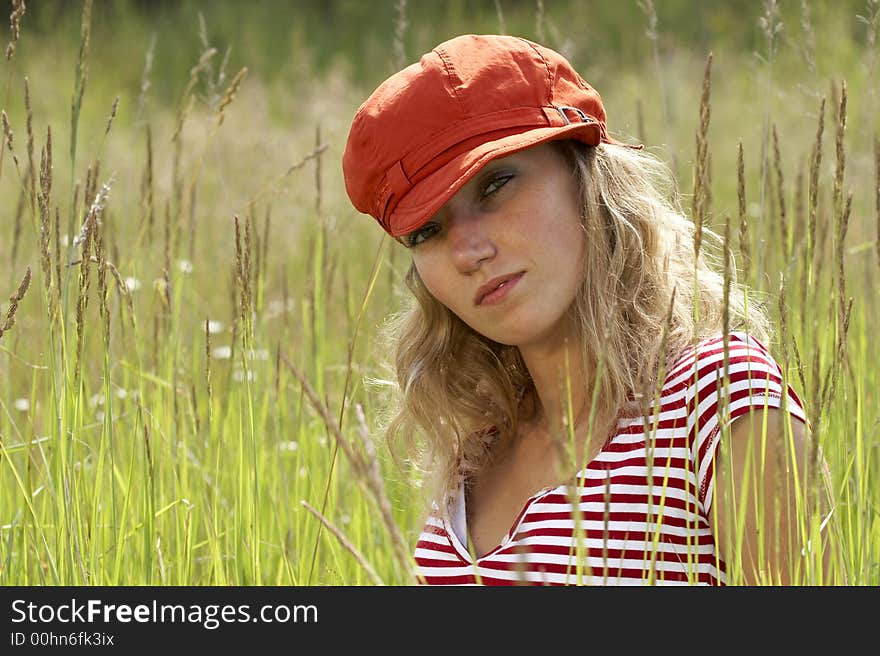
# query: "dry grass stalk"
84,239
316,152
652,397
184,105
840,167
798,361
167,237
113,111
812,207
210,83
815,391
829,388
193,196
235,304
771,25
29,123
647,6
540,21
319,188
257,255
7,142
44,197
122,290
745,245
247,276
728,275
193,408
96,209
815,163
700,201
166,298
82,300
145,80
208,368
91,187
722,380
148,189
156,344
240,277
346,543
653,35
274,188
783,320
842,227
640,121
264,255
18,224
229,94
101,260
276,379
872,23
502,27
18,10
400,27
14,300
808,49
285,300
56,229
877,192
82,68
366,472
780,195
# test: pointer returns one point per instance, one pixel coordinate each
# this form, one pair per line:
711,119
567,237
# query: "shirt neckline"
450,523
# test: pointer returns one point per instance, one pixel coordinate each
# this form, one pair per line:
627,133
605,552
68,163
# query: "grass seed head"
18,9
14,300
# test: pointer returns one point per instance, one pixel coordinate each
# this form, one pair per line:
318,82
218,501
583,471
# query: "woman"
562,366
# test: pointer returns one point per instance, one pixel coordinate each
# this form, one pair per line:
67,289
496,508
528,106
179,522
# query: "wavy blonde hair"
461,395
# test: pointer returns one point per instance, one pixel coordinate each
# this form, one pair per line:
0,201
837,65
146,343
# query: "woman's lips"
497,289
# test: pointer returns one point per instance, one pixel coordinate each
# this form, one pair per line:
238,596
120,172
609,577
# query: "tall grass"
183,396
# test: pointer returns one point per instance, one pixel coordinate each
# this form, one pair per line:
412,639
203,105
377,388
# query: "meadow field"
192,368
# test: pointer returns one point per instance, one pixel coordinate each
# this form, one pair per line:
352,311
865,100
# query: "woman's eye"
496,183
422,234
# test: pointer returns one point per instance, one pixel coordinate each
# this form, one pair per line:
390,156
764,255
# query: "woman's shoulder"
706,359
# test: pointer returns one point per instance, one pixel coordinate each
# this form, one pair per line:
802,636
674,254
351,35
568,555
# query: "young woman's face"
506,253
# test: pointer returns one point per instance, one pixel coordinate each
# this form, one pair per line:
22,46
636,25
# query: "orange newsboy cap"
427,129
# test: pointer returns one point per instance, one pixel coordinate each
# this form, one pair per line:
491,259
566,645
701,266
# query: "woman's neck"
561,386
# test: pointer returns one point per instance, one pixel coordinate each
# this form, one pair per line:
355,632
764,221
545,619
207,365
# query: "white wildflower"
239,375
221,352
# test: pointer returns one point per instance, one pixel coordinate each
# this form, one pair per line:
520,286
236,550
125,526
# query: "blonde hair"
461,394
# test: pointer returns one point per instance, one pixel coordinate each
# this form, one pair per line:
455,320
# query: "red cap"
426,130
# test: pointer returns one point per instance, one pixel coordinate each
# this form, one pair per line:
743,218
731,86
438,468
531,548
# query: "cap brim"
427,196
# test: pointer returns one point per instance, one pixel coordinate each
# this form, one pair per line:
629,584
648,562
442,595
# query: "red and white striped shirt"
643,500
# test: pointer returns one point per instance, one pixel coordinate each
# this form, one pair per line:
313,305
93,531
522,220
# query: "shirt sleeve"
754,383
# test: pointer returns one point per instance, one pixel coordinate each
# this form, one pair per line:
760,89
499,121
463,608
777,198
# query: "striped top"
643,500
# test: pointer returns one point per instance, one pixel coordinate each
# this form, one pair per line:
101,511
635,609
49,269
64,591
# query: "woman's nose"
469,240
